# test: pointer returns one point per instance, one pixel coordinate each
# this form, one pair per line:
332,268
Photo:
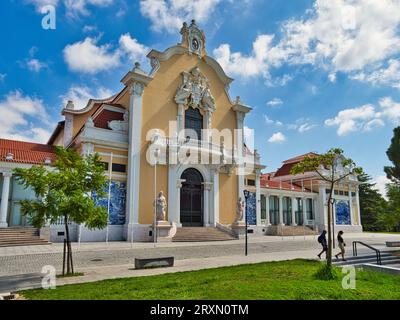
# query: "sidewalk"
123,245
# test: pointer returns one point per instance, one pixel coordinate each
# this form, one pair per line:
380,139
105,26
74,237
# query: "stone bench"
149,263
392,243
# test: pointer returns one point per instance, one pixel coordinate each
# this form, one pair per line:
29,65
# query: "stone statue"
239,210
161,206
117,125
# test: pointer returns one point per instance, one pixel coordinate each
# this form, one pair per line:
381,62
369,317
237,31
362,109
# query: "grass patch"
294,280
326,273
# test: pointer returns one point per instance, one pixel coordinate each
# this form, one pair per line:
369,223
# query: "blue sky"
318,74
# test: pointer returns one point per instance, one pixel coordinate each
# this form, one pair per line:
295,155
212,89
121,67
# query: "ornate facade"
176,129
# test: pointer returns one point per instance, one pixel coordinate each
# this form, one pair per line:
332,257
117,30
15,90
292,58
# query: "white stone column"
304,211
267,217
281,211
133,179
351,206
323,209
258,198
293,211
358,205
181,118
4,199
177,216
207,189
240,141
215,200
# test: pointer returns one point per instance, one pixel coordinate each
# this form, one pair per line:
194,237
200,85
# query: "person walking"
324,244
341,245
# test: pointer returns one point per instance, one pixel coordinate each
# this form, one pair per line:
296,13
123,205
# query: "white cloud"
366,117
80,95
73,8
254,64
275,102
390,109
302,125
169,15
332,77
76,8
87,56
354,119
306,127
2,77
386,76
20,116
272,122
335,35
130,46
89,28
41,3
35,65
277,138
381,182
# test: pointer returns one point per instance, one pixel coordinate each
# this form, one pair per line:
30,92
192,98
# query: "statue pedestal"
239,228
163,231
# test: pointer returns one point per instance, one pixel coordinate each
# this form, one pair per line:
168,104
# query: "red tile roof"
300,158
265,182
26,152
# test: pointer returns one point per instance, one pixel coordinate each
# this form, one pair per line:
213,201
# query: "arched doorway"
192,199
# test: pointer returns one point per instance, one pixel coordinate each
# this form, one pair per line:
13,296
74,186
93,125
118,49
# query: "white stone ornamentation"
117,125
161,206
195,91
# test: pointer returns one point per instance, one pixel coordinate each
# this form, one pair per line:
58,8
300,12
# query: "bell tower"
193,38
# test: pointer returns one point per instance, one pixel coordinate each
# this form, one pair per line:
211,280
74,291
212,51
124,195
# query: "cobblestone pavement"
33,263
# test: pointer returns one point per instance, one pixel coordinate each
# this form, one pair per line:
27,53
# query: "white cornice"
179,49
89,106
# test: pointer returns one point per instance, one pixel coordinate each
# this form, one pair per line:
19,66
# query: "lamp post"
156,155
332,204
246,196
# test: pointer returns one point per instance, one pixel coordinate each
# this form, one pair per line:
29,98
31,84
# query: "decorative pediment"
195,92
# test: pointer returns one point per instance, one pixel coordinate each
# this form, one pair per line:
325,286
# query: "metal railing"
378,253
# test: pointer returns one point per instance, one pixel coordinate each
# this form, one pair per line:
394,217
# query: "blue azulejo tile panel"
251,209
117,214
343,213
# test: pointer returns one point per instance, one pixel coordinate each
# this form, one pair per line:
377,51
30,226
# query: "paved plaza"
101,261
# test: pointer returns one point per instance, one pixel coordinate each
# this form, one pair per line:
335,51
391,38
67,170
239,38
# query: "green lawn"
274,280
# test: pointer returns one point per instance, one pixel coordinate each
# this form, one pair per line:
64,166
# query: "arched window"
194,121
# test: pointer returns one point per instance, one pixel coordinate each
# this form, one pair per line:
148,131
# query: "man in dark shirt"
324,244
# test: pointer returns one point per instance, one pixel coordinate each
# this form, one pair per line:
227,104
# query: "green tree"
372,204
390,220
64,192
332,167
393,153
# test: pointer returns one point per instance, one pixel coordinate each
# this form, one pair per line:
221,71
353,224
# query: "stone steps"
10,237
287,231
386,258
201,235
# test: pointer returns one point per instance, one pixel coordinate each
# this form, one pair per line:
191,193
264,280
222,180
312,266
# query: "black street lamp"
246,196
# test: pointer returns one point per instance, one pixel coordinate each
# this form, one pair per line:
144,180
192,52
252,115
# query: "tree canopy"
393,153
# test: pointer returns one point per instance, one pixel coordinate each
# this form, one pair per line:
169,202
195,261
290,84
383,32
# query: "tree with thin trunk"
63,193
332,168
